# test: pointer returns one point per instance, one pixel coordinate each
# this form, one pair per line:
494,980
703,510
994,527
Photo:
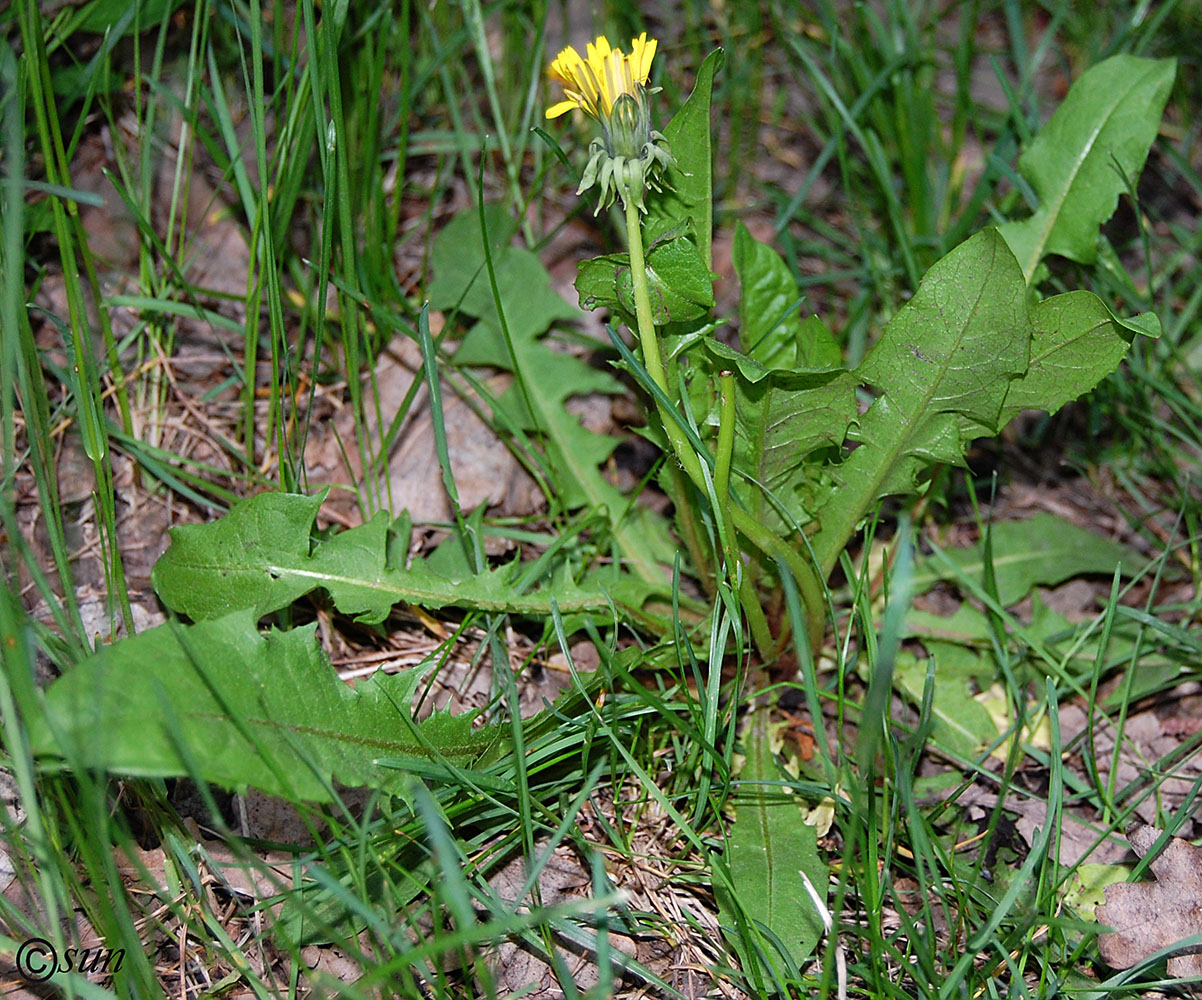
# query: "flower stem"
642,311
808,583
736,571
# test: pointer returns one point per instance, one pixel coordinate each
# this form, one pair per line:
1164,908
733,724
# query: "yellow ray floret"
593,84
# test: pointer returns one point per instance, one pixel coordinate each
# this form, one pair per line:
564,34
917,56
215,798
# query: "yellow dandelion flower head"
595,83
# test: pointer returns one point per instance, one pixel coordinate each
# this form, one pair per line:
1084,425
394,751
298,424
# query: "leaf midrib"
895,449
407,594
1054,205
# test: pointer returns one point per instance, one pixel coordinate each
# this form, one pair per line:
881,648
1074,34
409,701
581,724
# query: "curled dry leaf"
1149,916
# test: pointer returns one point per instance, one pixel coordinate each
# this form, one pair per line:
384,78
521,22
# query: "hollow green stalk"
808,583
723,457
757,621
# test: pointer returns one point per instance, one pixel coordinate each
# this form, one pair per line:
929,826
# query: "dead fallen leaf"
1149,916
564,878
1078,838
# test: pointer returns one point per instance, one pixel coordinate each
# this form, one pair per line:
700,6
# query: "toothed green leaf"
221,702
260,556
1088,153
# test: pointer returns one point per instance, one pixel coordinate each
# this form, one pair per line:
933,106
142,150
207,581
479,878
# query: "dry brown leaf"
1149,916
